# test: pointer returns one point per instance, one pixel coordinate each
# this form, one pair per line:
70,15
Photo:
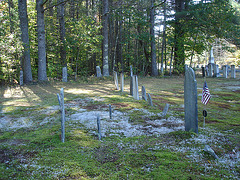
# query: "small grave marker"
233,71
135,88
165,110
116,80
110,111
131,85
225,71
144,95
150,100
99,127
61,104
98,70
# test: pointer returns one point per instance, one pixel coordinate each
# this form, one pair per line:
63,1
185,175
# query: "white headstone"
225,71
135,88
98,70
150,100
144,95
115,79
211,57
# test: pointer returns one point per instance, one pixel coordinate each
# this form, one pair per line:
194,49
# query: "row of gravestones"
212,70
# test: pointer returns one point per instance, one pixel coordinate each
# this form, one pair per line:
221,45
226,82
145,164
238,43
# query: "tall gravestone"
233,71
135,88
64,74
216,70
131,85
131,71
122,82
115,80
144,95
203,71
225,71
210,69
62,109
98,70
21,78
190,101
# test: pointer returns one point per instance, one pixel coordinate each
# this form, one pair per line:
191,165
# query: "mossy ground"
36,152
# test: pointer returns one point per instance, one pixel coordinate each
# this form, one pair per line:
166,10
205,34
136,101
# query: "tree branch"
159,4
55,5
44,2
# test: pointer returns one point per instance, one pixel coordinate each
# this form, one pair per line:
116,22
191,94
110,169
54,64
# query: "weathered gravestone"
165,110
216,70
135,87
233,71
21,78
150,100
115,79
98,70
110,111
225,71
210,69
144,95
122,81
131,71
203,71
131,85
64,74
99,127
61,104
190,101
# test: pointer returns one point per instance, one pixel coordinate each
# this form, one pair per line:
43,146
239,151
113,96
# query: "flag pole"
204,108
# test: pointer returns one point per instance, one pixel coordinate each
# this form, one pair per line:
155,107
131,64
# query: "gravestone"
144,95
233,71
216,71
225,71
110,111
122,81
210,70
135,87
116,80
149,100
64,74
131,85
203,71
165,110
131,71
99,127
98,70
61,104
190,101
21,78
206,69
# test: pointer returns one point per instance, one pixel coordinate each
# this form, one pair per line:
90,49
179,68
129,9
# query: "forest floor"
138,142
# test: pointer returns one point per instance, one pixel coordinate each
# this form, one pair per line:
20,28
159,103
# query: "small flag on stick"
205,94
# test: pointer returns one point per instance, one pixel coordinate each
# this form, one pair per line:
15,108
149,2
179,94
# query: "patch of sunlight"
78,91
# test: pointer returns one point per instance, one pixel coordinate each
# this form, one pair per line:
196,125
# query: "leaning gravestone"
122,81
135,87
233,71
150,100
21,78
190,101
98,70
116,80
64,74
144,95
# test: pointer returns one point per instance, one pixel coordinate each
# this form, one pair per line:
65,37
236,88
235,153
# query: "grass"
36,152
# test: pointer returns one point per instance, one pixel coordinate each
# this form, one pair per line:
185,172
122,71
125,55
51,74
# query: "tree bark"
42,70
153,44
163,37
62,33
105,38
27,70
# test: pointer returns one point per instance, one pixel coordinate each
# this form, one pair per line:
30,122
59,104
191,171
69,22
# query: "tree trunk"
27,70
163,37
153,44
105,38
179,55
42,70
62,33
10,6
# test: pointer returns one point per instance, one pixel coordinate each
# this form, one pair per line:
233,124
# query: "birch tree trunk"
153,44
105,38
27,70
42,70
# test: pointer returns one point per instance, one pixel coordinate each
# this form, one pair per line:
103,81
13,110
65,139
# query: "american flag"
205,94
